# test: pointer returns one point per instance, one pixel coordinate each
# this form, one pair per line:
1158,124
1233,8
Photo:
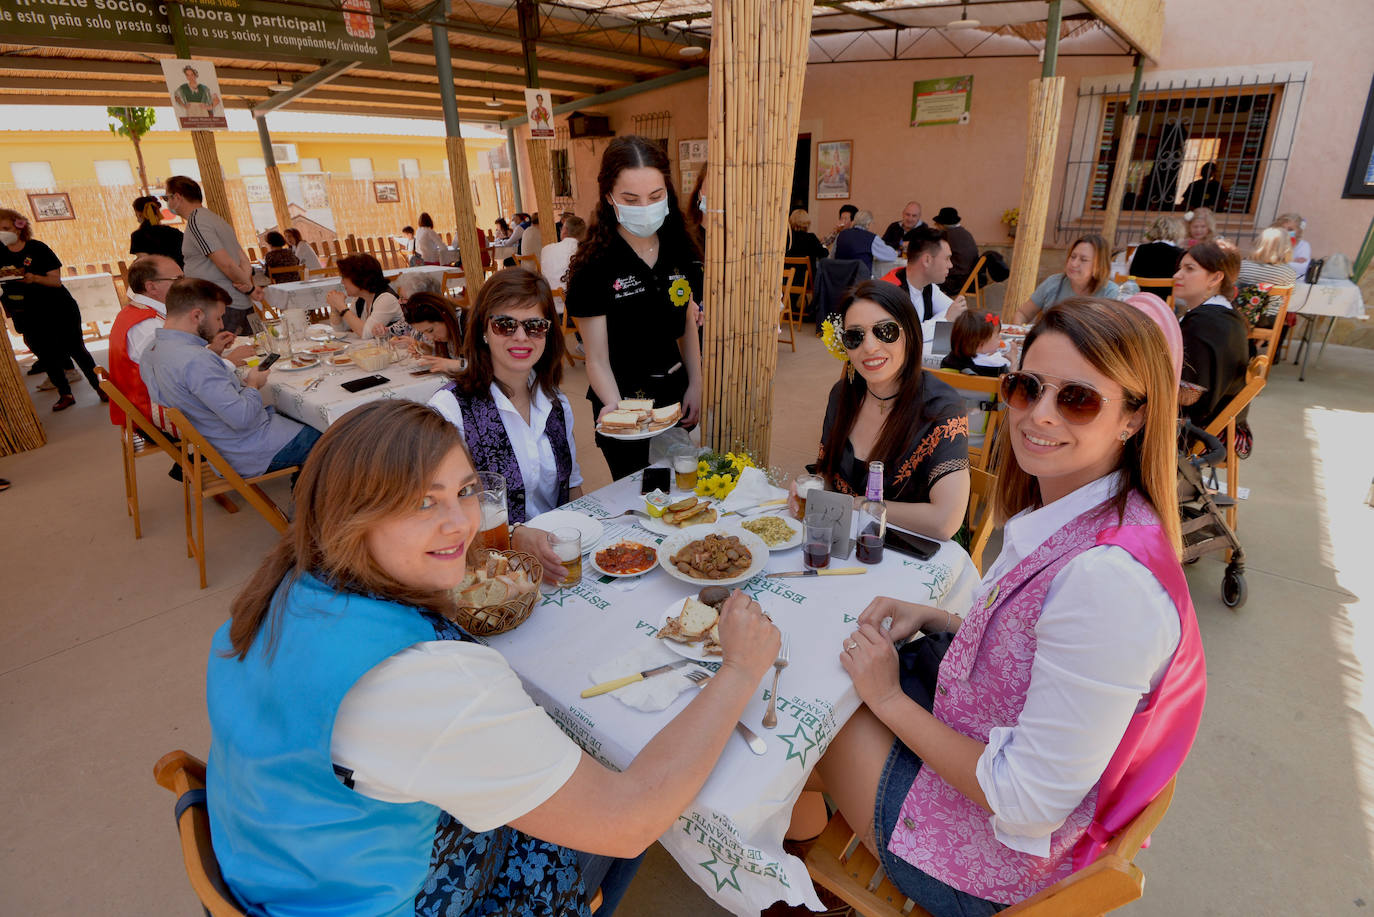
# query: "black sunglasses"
505,326
1078,403
888,332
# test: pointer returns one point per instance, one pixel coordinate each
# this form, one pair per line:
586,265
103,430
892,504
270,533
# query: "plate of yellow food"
777,530
681,514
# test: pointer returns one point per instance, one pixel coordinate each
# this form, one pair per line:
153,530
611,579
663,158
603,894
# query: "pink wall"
978,167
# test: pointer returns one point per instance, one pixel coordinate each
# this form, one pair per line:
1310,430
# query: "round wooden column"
1042,135
20,428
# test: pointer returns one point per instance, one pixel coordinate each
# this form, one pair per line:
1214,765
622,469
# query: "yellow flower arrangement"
718,474
831,329
680,292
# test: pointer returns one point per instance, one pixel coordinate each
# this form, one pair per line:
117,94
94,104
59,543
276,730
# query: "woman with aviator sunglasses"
508,407
1072,688
885,408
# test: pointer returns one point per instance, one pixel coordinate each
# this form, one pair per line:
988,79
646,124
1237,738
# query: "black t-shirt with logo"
26,303
645,308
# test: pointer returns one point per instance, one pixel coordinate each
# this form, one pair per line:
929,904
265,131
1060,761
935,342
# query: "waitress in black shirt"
151,237
630,287
43,312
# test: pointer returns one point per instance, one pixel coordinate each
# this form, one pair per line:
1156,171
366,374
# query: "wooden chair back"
454,286
1267,339
1223,427
205,473
974,283
840,863
286,273
252,253
528,262
1163,287
182,773
983,389
314,273
980,515
153,442
570,343
796,295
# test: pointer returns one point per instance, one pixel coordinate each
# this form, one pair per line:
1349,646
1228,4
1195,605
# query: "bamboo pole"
211,174
278,191
541,176
20,428
1042,135
1129,126
466,215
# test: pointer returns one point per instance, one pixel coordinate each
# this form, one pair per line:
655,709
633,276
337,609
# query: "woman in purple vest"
508,407
1071,690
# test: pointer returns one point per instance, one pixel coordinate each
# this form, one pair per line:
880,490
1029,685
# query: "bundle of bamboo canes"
1042,135
541,174
20,428
758,66
464,213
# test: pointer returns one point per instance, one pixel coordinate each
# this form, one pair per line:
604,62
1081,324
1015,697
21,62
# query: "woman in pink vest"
1071,690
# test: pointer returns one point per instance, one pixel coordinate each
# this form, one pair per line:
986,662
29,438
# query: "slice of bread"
696,619
665,417
643,405
482,594
620,422
681,505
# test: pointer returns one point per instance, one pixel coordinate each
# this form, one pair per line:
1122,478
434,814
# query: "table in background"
95,294
1334,298
730,838
328,401
310,294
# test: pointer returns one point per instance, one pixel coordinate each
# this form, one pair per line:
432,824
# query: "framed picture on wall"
387,192
49,207
834,169
1360,180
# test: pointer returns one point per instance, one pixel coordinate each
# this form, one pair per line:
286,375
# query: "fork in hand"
770,716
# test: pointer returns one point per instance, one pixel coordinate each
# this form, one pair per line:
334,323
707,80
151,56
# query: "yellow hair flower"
830,336
680,292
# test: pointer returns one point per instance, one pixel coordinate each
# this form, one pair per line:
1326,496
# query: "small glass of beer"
685,467
567,547
491,497
805,484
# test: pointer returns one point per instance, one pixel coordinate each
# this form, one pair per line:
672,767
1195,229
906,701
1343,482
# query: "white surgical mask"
642,221
8,238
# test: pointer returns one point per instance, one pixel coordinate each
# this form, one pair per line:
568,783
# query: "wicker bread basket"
489,620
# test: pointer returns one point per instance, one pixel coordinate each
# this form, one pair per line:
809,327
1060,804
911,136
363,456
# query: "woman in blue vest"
508,407
370,758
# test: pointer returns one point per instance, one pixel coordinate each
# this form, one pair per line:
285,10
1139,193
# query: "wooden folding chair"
1267,339
205,473
974,283
1163,287
984,389
314,273
1223,427
286,273
528,262
980,516
453,284
570,341
139,438
184,775
796,294
841,863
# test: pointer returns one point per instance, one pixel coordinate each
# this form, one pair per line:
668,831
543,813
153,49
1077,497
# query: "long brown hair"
512,288
1214,257
909,407
431,307
1124,345
1102,258
376,462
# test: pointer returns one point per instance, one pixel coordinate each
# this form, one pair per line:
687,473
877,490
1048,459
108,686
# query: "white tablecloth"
730,839
328,401
95,294
310,294
1336,298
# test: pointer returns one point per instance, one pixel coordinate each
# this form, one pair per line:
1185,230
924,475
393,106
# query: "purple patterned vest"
982,684
491,449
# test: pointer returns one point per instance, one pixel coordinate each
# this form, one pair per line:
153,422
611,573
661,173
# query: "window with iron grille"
654,126
1217,139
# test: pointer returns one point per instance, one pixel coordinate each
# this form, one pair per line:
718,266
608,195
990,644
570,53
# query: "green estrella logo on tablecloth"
725,877
557,597
936,578
799,744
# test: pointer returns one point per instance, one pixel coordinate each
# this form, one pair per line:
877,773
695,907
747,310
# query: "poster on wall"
943,101
834,169
691,159
541,118
47,207
386,192
195,95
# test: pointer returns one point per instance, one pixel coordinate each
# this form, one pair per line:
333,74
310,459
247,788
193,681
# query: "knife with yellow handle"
607,686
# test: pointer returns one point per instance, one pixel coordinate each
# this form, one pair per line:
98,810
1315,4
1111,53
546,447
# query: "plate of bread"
706,555
690,626
637,418
686,512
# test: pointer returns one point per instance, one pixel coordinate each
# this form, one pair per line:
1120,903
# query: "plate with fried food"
690,626
705,555
637,418
297,362
686,512
779,531
625,559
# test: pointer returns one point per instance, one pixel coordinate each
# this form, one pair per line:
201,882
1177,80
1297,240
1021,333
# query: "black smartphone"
366,382
912,545
267,361
656,479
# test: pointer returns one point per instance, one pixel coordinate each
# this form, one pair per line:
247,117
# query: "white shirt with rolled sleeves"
533,452
1104,638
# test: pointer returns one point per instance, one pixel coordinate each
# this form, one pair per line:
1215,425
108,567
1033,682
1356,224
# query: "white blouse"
385,310
533,451
306,256
1105,636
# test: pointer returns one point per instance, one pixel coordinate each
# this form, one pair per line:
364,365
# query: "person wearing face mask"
632,286
43,312
1294,225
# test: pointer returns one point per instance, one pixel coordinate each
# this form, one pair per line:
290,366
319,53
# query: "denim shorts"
899,773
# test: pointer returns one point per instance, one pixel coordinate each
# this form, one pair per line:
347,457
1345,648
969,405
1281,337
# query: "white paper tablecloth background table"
328,401
310,294
95,294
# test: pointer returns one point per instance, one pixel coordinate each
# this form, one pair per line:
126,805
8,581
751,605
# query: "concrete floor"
101,666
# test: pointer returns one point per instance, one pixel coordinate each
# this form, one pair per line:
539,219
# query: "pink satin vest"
982,684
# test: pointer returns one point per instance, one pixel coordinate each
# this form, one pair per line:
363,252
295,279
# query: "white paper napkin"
653,693
751,490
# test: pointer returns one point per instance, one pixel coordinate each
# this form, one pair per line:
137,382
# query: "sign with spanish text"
334,29
540,114
943,101
195,95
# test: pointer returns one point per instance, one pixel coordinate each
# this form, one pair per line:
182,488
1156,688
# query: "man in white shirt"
928,260
555,258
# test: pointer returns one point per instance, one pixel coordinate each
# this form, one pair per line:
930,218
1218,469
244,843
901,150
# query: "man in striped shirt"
211,251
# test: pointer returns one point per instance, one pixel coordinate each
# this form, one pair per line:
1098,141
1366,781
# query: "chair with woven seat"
139,438
205,473
841,863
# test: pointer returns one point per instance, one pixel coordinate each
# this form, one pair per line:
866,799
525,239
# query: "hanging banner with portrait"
195,95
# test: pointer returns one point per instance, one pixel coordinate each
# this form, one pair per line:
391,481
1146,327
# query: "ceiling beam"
488,116
493,33
615,95
603,22
492,58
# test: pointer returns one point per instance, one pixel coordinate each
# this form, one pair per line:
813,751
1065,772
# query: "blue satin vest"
855,244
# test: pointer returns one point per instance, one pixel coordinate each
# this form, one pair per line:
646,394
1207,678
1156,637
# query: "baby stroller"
1204,524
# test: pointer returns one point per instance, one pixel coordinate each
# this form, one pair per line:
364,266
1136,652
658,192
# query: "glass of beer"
685,467
491,497
805,484
567,547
